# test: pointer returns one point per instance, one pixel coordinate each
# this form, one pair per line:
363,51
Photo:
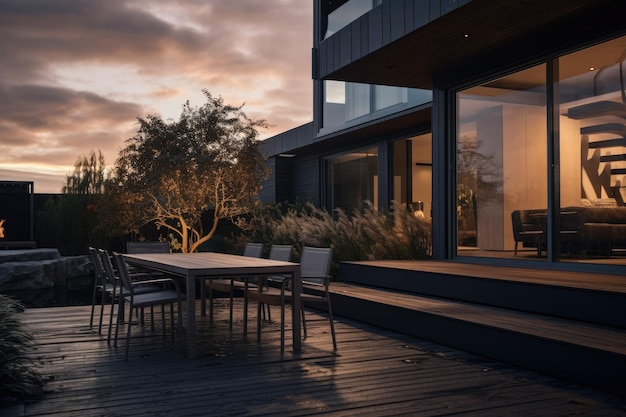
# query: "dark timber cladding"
405,42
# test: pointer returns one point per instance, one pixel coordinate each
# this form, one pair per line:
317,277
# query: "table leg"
295,312
245,308
191,316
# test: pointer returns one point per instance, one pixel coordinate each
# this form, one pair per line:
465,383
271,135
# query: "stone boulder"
38,276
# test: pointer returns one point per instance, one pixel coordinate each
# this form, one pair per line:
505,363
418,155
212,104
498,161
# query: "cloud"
50,125
76,74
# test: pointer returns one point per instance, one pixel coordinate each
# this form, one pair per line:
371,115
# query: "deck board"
375,372
570,279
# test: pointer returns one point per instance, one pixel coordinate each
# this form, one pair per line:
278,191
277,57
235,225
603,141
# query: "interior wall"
422,189
516,137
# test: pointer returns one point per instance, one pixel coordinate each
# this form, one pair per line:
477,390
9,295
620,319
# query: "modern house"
505,123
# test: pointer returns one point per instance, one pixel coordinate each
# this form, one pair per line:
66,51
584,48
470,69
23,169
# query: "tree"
71,221
88,176
171,173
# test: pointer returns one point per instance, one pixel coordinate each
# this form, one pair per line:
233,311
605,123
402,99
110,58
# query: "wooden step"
562,323
613,158
614,128
596,109
586,353
567,331
568,294
609,143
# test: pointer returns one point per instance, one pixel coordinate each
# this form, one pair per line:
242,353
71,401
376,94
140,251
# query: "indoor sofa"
583,229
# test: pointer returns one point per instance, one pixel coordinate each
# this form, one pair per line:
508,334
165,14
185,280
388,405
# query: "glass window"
591,104
347,13
352,179
357,100
412,173
385,96
334,103
351,103
502,180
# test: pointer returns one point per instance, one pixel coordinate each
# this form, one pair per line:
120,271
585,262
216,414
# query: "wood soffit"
481,28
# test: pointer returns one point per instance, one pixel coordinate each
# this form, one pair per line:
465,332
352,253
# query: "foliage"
477,171
479,176
365,234
19,381
71,221
88,176
171,173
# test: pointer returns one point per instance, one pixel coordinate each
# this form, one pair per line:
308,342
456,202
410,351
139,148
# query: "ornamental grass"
19,381
364,234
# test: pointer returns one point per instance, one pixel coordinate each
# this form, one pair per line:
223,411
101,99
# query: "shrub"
19,382
365,234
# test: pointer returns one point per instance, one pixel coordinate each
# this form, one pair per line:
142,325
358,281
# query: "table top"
201,264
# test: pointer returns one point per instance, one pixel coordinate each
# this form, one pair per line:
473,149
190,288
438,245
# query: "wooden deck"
505,313
374,372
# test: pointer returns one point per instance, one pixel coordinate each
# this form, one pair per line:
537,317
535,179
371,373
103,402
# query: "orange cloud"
76,74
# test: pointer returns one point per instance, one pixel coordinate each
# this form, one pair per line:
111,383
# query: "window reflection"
347,13
351,103
352,180
592,118
502,164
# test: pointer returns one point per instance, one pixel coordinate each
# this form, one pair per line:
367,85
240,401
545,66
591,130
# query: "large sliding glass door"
591,103
502,166
539,180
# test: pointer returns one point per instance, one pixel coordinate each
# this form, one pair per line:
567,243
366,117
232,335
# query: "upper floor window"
349,103
348,13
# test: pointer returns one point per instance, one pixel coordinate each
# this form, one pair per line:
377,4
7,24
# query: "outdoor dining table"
203,265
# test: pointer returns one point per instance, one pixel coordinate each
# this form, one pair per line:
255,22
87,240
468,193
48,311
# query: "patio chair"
100,286
277,253
115,288
314,273
147,247
162,297
281,252
228,285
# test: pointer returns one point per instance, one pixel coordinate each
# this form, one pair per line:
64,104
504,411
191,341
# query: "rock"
28,255
23,275
35,274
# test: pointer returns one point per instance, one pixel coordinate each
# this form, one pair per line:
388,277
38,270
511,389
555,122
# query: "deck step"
565,331
586,353
567,294
562,323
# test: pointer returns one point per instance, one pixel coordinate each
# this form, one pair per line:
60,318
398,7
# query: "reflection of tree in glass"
478,175
476,170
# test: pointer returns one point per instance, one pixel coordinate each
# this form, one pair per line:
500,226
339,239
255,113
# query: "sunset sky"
76,74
